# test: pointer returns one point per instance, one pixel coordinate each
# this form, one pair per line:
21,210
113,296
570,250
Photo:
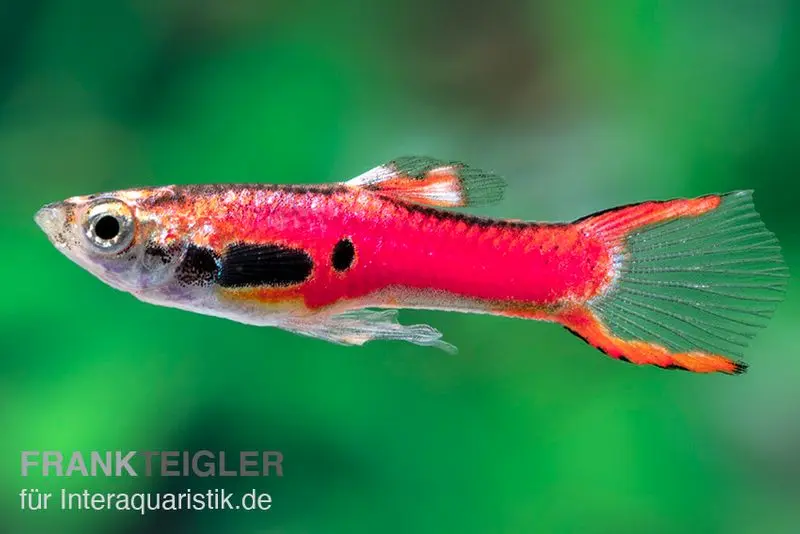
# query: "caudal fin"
692,282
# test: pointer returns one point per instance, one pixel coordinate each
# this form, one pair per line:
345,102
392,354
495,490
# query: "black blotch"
158,254
740,368
199,267
674,367
107,227
344,253
623,359
245,265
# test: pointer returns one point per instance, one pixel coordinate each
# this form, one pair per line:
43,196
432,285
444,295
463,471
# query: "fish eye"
109,227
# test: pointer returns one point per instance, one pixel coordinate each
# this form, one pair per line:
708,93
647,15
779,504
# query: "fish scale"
335,261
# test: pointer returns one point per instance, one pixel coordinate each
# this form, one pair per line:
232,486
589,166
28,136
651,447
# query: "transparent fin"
694,283
359,326
432,182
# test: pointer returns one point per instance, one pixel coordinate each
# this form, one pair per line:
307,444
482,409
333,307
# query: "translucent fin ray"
357,327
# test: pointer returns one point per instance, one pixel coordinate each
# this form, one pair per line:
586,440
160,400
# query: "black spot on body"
199,267
344,253
248,265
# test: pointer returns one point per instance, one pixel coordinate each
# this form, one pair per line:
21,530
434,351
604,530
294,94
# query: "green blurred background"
581,105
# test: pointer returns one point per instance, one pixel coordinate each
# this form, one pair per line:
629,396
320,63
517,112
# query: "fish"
677,284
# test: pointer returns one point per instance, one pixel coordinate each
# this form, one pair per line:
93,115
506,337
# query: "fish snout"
52,220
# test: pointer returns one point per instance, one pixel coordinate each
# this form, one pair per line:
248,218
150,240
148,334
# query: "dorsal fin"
432,182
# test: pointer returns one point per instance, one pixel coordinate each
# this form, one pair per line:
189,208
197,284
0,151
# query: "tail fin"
692,281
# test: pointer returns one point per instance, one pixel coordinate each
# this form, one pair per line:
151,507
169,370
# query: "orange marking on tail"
585,325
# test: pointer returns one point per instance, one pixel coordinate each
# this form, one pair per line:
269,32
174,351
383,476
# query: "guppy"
678,284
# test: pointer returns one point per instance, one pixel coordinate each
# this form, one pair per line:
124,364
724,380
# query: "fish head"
118,237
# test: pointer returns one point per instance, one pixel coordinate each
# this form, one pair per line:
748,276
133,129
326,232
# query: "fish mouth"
52,220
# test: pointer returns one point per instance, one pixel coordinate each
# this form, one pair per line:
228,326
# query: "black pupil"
107,228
